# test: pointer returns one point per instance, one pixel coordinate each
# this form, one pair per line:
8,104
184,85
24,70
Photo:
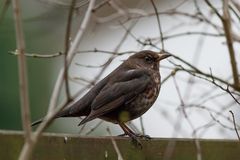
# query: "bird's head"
147,59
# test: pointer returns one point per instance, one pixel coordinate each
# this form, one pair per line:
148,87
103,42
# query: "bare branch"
23,80
37,55
182,104
67,37
94,128
192,33
234,123
228,32
159,23
120,157
142,126
214,9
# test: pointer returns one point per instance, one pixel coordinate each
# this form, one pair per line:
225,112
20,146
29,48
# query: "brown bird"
125,94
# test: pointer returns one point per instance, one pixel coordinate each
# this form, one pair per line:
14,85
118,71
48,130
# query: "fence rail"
75,147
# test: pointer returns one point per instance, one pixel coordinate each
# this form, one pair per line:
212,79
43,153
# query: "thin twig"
23,80
90,66
94,128
234,123
120,157
234,10
220,123
214,9
57,54
142,126
159,23
107,52
82,128
67,37
182,104
192,33
92,82
228,34
37,55
100,5
197,144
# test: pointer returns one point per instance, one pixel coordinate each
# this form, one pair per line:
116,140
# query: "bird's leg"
131,134
146,137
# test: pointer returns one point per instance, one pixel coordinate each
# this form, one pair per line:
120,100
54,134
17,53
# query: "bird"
124,95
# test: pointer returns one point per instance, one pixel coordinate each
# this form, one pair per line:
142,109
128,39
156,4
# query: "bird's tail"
64,113
37,122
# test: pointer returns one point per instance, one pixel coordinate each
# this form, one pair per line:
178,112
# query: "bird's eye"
148,59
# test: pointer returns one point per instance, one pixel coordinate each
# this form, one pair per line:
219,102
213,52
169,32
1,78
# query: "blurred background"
188,106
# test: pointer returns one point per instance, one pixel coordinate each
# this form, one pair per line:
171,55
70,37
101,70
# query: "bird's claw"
145,137
135,139
136,142
141,136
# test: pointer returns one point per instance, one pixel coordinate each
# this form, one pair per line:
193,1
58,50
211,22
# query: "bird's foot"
141,136
136,142
135,139
145,137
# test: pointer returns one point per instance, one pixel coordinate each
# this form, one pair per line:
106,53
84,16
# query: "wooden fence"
75,147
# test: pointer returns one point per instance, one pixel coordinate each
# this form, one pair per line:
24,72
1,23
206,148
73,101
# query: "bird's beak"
163,55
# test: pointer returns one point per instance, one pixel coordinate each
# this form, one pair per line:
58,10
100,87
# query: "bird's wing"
123,90
83,106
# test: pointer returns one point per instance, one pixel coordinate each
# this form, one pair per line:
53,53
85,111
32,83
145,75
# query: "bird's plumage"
119,92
